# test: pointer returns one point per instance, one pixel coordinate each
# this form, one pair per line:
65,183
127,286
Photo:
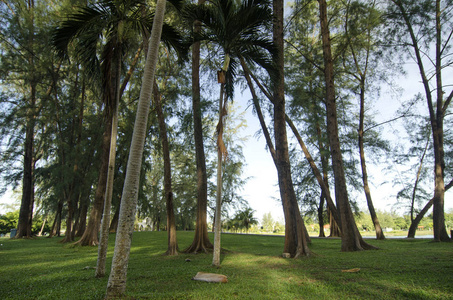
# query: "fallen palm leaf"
355,270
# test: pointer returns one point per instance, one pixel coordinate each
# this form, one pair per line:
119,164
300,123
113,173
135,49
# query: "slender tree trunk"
324,166
321,215
56,225
105,222
351,240
24,228
42,227
69,218
201,241
26,207
417,178
172,242
440,232
82,224
116,286
436,115
366,187
90,235
323,183
296,242
218,206
114,223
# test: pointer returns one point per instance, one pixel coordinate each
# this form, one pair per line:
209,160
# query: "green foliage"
403,269
243,219
8,221
268,223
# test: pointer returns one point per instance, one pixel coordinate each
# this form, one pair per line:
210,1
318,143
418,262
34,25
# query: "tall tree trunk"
56,225
417,178
324,166
436,115
296,242
90,235
26,207
116,286
68,237
366,187
105,222
24,228
201,240
220,151
321,215
114,223
172,242
351,240
322,180
82,224
437,125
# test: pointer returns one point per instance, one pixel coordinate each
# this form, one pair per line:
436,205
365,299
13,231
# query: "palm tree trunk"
218,207
116,286
201,240
105,223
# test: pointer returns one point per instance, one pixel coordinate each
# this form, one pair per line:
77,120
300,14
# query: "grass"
403,269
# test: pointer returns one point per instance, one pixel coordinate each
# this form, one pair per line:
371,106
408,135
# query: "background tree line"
71,81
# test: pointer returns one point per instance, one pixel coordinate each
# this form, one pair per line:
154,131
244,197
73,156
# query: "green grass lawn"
402,269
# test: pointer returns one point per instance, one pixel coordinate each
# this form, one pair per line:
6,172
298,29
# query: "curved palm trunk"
351,240
201,241
116,286
172,242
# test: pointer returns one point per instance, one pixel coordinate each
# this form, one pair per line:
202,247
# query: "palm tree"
235,30
245,218
116,286
113,21
118,23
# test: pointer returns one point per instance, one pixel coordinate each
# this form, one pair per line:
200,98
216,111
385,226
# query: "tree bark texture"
351,240
172,242
201,241
105,222
414,224
116,286
26,207
90,236
377,226
296,242
218,202
436,116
